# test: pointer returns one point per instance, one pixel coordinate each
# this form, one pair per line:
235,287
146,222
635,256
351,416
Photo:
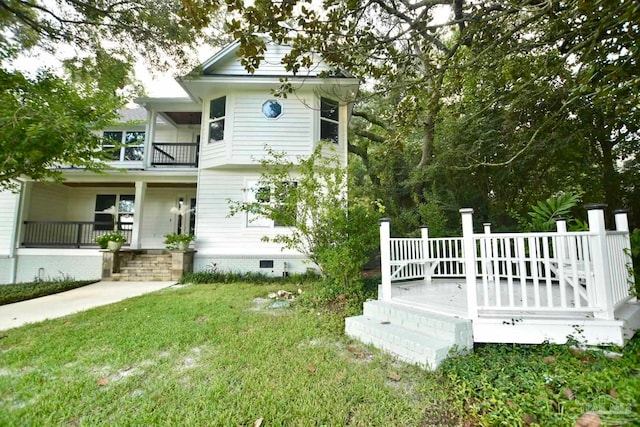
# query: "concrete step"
449,328
407,345
144,269
413,335
120,277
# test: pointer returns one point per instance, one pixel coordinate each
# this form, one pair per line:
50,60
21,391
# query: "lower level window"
114,212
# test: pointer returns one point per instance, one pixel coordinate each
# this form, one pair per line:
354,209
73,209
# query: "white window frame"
220,119
330,120
123,144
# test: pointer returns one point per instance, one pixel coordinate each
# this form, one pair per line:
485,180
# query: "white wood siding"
48,202
8,207
270,66
292,132
221,235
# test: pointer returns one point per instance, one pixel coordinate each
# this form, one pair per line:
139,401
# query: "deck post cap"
621,211
385,219
466,210
595,206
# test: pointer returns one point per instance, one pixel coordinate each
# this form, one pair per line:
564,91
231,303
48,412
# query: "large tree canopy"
47,117
499,104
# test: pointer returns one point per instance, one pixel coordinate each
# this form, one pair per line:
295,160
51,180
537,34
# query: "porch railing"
65,234
174,154
559,273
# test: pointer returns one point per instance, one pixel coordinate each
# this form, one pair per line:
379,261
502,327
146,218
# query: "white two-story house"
192,153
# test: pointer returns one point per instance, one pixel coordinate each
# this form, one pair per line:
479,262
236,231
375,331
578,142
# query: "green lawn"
212,355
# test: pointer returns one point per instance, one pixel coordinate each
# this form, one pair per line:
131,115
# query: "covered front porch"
72,214
56,223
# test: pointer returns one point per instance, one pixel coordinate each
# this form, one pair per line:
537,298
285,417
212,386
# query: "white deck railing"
529,273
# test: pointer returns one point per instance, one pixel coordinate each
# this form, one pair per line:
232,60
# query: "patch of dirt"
264,305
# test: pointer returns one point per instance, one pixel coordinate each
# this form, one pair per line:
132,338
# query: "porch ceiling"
184,117
130,184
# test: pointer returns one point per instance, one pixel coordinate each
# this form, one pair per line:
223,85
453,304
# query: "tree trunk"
610,177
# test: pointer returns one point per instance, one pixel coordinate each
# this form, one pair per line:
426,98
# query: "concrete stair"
414,336
148,267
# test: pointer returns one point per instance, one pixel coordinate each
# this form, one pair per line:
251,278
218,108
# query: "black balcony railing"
174,154
66,234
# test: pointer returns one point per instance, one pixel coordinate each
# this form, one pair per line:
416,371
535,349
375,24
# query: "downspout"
14,235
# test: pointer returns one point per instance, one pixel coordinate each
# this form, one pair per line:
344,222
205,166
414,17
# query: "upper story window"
272,109
217,110
124,145
329,120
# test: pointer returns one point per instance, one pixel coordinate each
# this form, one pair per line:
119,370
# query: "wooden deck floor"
445,296
449,296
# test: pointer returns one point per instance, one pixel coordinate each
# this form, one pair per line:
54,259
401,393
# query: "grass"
23,291
219,355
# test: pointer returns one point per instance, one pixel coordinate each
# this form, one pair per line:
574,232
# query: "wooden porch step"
412,335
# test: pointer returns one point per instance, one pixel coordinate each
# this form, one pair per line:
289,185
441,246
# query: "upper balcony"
166,137
167,154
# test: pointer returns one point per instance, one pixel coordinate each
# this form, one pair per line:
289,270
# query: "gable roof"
224,69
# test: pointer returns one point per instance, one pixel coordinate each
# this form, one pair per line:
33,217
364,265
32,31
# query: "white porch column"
424,234
385,258
600,257
149,137
138,215
469,248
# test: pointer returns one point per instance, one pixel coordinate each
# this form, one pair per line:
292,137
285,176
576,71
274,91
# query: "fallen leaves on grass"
311,368
394,376
103,381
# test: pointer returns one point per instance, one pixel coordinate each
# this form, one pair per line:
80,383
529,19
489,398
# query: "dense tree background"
495,106
499,105
47,116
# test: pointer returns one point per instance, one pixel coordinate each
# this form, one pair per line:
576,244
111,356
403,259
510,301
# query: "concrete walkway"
73,301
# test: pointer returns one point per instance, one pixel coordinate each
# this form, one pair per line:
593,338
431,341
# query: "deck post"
424,234
600,257
385,258
563,243
622,223
487,253
469,248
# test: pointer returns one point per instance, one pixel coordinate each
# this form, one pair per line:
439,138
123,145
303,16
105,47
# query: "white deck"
449,296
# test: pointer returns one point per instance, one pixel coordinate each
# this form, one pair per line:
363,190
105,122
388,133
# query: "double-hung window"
122,213
217,110
124,145
283,214
329,120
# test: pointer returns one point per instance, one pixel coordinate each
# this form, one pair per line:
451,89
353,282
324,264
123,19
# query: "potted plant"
112,241
175,241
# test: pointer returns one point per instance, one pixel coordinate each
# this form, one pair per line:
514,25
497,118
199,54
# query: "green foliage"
544,384
25,291
48,119
543,214
336,231
214,275
113,236
334,297
173,240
